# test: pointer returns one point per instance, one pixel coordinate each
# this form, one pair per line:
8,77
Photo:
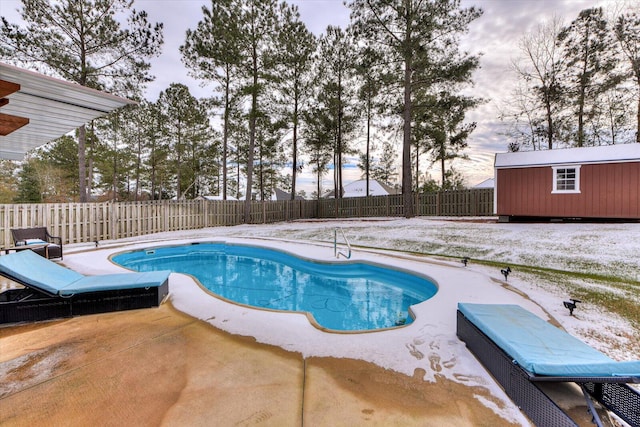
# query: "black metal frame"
32,304
521,386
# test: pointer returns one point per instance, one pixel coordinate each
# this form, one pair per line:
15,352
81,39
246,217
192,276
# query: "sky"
494,36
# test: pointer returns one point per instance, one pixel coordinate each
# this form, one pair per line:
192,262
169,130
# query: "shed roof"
582,155
51,107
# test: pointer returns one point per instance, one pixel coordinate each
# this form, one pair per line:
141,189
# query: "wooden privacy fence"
89,222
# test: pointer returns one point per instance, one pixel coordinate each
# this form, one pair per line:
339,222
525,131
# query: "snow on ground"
429,342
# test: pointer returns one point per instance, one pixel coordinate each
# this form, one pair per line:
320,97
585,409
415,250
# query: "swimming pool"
345,296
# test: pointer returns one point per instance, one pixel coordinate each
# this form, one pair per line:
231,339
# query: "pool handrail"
337,253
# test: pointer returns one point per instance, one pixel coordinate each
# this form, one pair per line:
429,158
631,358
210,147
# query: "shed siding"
609,190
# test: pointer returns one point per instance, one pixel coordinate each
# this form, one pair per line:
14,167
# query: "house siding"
610,190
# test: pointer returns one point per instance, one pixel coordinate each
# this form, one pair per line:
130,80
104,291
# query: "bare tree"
627,31
540,67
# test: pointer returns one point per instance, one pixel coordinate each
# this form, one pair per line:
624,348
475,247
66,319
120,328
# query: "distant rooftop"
359,189
487,183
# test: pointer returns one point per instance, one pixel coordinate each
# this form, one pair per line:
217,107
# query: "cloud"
494,35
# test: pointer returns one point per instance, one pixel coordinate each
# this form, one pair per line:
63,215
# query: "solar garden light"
571,305
505,272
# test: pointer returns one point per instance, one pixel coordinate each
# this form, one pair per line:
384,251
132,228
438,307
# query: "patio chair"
53,291
38,235
522,351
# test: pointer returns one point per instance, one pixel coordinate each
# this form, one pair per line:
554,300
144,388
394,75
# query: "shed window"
566,179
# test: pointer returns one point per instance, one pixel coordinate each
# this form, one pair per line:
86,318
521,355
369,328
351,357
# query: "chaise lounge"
52,291
522,351
37,236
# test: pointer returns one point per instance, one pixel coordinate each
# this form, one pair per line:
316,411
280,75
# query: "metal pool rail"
337,253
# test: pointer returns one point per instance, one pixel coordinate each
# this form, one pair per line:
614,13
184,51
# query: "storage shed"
583,183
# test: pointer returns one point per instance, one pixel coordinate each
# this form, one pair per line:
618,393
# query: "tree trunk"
406,142
179,164
581,120
294,171
319,186
581,99
335,171
339,166
368,163
115,173
417,167
549,122
138,166
225,136
638,122
252,137
82,167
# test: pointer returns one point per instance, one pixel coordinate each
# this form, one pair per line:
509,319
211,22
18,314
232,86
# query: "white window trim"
555,179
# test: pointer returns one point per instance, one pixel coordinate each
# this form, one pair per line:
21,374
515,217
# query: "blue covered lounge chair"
521,350
53,291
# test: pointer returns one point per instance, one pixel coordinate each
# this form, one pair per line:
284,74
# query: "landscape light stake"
571,305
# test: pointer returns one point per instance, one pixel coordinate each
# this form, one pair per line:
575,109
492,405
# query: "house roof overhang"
36,109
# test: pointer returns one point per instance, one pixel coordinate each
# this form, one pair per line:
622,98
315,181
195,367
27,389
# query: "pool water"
345,296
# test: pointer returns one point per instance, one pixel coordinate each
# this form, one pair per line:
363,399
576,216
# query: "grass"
616,294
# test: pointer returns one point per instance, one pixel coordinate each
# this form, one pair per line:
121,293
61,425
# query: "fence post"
473,204
111,220
205,212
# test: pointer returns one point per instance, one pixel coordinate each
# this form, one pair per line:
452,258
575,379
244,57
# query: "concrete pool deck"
162,366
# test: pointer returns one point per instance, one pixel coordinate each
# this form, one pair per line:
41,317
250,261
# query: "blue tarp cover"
55,279
540,347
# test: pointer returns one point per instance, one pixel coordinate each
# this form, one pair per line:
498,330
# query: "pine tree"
319,137
370,85
387,171
412,35
186,126
213,53
588,66
8,181
257,28
445,130
28,183
336,95
294,59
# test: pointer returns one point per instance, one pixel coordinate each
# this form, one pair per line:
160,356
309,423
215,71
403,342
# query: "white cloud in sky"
494,35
